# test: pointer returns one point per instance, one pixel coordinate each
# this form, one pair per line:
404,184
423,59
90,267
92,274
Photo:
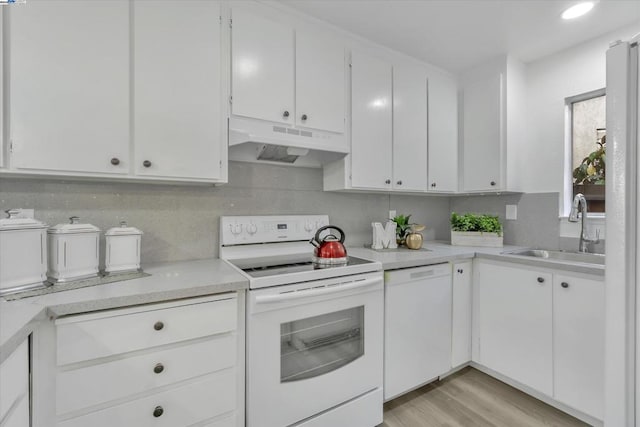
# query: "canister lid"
12,222
73,227
123,230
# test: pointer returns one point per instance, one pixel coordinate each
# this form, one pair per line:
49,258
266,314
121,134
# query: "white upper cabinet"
579,343
409,128
482,121
262,67
402,139
371,122
443,134
177,89
69,84
320,81
274,65
493,125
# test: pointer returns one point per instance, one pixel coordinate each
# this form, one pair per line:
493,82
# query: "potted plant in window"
476,230
589,176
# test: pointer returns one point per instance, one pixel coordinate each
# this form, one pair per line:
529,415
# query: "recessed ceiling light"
577,10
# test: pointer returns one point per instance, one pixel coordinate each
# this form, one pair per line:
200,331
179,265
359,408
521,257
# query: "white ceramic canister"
73,251
122,249
23,253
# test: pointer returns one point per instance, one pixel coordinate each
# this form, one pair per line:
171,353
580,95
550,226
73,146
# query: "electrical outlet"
392,213
512,212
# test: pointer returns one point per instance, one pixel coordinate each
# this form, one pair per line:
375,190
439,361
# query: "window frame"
568,150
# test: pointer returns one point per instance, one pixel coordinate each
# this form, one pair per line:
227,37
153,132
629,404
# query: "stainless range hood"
252,140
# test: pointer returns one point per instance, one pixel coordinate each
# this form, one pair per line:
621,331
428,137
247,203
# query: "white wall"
550,80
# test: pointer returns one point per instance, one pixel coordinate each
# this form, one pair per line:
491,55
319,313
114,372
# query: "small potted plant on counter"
403,227
476,230
408,234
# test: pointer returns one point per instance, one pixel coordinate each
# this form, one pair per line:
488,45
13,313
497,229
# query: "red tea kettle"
329,250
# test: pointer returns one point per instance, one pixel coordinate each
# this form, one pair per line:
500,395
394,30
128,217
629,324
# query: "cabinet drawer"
180,406
125,377
14,379
115,333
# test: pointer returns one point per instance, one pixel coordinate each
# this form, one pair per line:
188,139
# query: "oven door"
313,346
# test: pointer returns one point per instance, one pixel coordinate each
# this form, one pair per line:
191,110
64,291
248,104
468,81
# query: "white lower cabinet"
417,325
578,343
514,323
14,388
170,364
543,329
461,314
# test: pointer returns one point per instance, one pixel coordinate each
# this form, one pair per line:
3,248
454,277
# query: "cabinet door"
461,329
14,387
177,114
483,110
320,88
443,134
262,67
409,128
417,328
515,331
371,134
69,84
578,343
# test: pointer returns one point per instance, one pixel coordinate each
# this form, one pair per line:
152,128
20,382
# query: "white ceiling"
457,34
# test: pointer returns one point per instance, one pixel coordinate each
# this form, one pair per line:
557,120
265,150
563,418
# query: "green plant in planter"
592,168
476,222
403,227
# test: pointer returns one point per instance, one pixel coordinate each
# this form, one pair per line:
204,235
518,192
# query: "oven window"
317,345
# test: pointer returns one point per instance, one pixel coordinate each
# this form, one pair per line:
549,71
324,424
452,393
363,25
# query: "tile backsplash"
181,222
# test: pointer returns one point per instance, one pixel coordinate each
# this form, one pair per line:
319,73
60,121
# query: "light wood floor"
472,398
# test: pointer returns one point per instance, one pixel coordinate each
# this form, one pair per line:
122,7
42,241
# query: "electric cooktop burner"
264,267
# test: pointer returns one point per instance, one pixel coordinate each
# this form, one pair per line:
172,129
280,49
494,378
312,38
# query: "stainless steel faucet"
580,206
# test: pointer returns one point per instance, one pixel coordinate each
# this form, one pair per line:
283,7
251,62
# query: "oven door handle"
314,292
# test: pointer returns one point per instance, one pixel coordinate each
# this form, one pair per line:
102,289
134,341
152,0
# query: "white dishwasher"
417,327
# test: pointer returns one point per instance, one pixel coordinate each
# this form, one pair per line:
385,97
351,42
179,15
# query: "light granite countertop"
187,279
435,252
168,281
432,252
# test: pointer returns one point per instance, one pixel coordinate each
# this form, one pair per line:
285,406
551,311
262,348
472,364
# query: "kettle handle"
329,227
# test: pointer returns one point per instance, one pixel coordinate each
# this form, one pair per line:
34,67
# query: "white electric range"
314,335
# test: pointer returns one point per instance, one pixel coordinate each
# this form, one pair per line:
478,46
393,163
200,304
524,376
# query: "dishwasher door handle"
317,292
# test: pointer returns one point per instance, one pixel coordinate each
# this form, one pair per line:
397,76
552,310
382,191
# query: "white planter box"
476,238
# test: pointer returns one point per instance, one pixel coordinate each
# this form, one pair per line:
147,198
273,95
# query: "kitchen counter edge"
167,282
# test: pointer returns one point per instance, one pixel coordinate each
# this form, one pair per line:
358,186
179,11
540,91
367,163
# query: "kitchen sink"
583,257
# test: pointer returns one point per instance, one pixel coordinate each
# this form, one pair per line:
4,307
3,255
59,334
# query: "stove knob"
252,229
308,227
235,229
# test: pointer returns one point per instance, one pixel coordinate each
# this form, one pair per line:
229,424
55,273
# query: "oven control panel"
242,230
